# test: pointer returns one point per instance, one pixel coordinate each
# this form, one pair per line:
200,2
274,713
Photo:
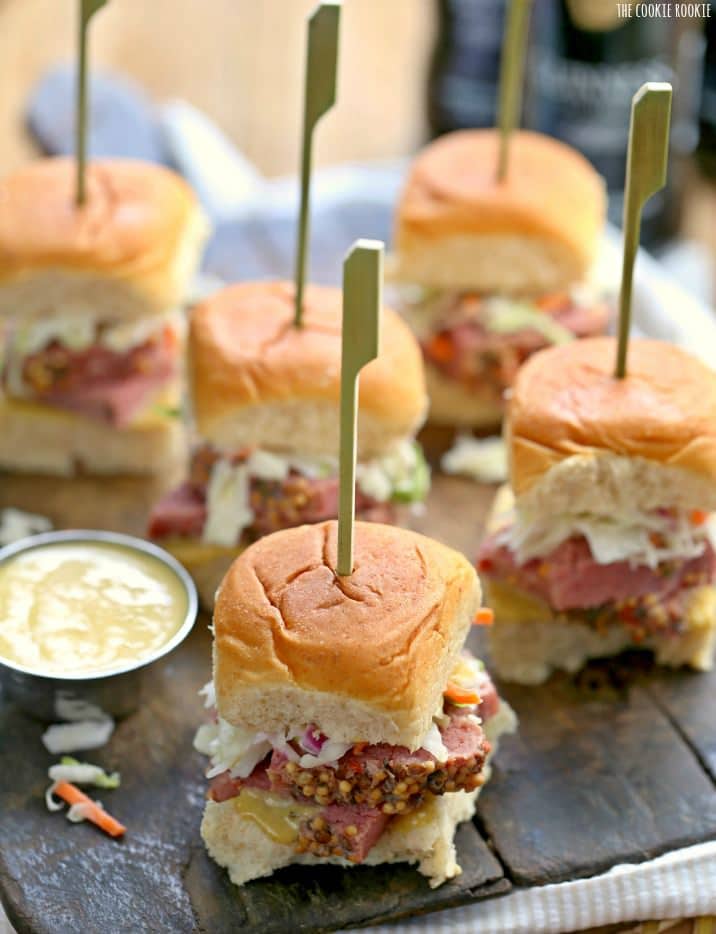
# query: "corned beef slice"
570,579
342,830
380,775
100,382
479,354
180,512
276,504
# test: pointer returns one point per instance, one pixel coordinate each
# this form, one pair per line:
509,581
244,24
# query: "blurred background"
409,69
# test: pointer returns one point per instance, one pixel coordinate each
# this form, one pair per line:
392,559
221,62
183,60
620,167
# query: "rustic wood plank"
118,504
315,899
596,776
687,698
58,877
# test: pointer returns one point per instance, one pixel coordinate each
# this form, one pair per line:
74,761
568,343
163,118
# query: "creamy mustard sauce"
84,607
417,819
277,816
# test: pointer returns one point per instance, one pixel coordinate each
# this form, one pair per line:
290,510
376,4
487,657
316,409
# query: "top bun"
577,434
457,227
257,380
130,250
365,657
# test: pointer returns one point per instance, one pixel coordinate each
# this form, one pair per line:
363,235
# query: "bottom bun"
424,838
38,438
528,641
206,563
451,403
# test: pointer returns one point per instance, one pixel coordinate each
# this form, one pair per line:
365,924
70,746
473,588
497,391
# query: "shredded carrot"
553,301
97,815
458,695
441,348
698,517
171,338
484,617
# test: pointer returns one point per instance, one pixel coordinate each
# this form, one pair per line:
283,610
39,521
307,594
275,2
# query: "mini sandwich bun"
257,380
529,640
576,433
458,227
41,439
453,404
365,657
129,251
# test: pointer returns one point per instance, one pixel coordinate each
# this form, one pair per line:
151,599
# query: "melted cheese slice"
279,817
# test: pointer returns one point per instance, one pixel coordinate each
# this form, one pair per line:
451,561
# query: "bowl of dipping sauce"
83,615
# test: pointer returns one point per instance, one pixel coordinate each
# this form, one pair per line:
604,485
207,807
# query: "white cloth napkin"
681,884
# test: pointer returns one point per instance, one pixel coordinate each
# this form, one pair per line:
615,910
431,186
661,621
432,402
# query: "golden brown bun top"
284,619
245,351
133,220
567,401
551,191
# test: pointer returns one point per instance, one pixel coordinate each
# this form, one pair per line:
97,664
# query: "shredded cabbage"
82,773
82,734
70,707
626,537
50,802
433,743
481,459
331,752
508,316
239,751
16,524
400,475
230,748
208,692
227,504
79,812
78,332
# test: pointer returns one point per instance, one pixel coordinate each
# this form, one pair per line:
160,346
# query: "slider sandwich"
265,398
351,725
90,301
606,539
489,272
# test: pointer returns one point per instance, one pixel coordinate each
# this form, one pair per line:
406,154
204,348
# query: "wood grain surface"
607,767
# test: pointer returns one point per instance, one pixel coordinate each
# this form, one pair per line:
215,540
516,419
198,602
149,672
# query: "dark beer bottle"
586,61
707,146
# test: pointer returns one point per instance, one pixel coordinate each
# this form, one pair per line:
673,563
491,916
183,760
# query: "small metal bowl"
52,697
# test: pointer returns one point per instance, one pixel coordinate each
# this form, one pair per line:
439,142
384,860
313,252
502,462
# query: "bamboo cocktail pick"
647,159
362,304
512,70
319,97
87,10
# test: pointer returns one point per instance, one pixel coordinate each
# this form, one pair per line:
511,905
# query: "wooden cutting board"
617,764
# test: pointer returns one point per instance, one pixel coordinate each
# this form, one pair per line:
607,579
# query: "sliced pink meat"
181,512
489,698
379,774
481,357
342,830
224,786
100,382
570,579
276,504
